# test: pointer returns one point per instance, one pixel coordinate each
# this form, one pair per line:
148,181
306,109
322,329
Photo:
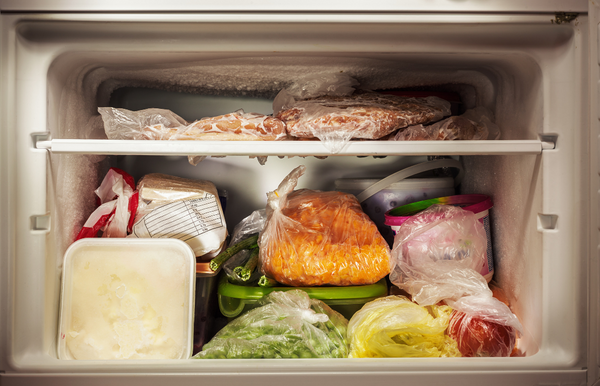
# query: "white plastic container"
127,299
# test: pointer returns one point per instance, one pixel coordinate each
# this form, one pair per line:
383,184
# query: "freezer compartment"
205,69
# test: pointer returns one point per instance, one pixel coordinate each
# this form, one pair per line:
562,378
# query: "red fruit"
480,338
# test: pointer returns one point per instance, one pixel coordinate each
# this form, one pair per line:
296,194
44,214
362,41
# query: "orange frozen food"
323,238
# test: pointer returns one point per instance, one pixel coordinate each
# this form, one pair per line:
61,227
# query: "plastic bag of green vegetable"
394,326
287,325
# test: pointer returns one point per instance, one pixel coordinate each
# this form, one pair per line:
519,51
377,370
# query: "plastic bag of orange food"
314,238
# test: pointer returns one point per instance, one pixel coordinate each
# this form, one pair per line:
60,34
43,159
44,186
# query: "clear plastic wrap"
434,249
250,225
437,256
477,337
159,124
287,324
335,120
394,326
474,124
314,238
189,210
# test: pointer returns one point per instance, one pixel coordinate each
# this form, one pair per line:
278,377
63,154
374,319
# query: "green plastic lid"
322,293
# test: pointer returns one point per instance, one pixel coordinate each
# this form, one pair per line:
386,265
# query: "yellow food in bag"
396,327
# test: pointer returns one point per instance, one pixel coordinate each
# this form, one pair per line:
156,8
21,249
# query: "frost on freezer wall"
515,239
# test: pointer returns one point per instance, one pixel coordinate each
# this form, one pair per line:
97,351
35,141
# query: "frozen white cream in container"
127,299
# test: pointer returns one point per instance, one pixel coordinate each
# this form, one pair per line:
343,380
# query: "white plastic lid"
127,299
360,184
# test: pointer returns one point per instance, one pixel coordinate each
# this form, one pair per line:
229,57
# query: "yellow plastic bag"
394,326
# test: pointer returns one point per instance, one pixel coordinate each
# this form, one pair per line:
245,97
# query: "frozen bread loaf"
189,210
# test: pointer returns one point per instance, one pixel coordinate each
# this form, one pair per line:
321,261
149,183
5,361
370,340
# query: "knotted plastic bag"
117,201
396,327
288,324
437,256
314,238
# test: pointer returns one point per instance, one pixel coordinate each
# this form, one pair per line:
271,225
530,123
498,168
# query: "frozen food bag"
250,225
335,120
477,337
437,249
181,208
475,124
394,326
117,201
437,257
314,238
160,124
287,324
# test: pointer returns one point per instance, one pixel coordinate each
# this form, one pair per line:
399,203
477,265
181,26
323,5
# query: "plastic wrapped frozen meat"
437,257
314,238
336,118
394,326
287,324
189,210
160,124
474,124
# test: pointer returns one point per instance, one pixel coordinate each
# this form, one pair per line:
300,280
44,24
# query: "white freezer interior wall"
527,72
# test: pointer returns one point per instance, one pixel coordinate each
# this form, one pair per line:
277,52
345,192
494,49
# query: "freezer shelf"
292,148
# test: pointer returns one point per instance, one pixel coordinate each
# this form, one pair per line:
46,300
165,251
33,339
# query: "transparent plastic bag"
483,326
437,256
474,124
394,326
160,124
337,117
436,249
250,225
314,238
287,324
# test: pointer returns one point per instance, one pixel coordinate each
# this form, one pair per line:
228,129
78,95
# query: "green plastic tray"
236,299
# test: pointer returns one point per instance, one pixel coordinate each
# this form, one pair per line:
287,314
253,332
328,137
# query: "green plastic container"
236,299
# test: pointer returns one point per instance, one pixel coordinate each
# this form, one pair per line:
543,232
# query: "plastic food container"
127,298
206,309
396,194
235,299
479,204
